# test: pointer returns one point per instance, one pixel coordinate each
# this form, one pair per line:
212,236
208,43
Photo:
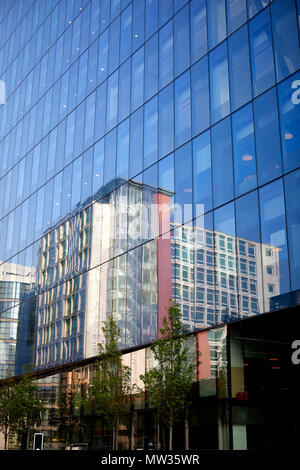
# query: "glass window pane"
89,120
254,6
123,150
200,97
243,150
181,41
236,14
87,175
100,120
267,137
292,199
202,174
150,132
198,29
216,12
151,17
285,34
112,101
138,23
151,67
274,245
136,142
182,109
239,68
166,121
261,48
114,45
110,159
219,85
222,162
248,241
137,84
289,114
166,54
124,90
126,32
183,184
103,56
98,167
165,11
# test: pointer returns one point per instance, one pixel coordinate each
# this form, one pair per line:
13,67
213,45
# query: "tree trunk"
186,430
158,433
171,432
5,440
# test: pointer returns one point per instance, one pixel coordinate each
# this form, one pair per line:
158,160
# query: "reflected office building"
150,150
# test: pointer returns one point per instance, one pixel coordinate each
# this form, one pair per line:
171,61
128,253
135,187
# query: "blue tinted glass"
254,6
114,45
165,11
112,101
66,191
274,244
138,24
239,68
202,174
150,132
286,40
243,150
76,183
110,158
181,41
183,184
123,150
263,75
200,96
92,67
222,162
151,67
115,6
216,12
151,17
166,121
182,109
136,143
100,111
166,54
137,84
236,14
166,174
104,14
87,175
247,217
198,29
102,56
126,31
124,90
89,120
267,138
224,220
289,114
219,85
292,198
98,166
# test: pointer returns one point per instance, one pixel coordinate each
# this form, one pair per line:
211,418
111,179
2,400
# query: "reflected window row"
231,263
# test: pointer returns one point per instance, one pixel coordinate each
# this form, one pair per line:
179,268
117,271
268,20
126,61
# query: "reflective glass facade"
149,150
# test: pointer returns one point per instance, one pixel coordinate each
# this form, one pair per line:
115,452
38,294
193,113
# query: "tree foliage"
20,405
110,390
169,382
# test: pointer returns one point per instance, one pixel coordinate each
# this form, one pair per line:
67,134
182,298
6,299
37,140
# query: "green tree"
110,390
9,414
28,402
168,384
